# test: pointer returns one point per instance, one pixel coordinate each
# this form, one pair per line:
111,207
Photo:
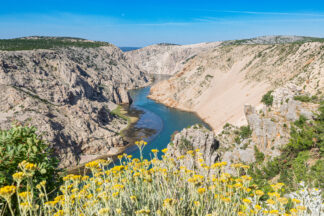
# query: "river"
164,120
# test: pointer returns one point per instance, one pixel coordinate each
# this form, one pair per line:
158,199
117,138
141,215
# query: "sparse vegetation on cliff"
267,99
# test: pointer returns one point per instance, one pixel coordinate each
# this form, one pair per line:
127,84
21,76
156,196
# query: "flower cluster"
156,187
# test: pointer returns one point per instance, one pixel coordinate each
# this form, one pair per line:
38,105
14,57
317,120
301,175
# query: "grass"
122,113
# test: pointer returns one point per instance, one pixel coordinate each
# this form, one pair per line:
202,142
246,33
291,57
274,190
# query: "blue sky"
141,23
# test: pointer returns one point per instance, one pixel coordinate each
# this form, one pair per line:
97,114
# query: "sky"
141,23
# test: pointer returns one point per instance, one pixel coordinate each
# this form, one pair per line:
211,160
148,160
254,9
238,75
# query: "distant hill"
42,42
280,39
126,49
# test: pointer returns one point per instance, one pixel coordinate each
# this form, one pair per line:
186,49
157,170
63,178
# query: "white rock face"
69,93
166,58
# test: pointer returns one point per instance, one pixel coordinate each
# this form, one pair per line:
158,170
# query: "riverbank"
131,133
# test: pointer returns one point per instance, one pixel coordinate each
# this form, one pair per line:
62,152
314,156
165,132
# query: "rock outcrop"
69,93
193,138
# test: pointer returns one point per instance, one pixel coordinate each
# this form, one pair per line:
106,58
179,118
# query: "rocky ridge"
69,93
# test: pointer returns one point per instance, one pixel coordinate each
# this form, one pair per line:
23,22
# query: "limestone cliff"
167,58
195,138
68,92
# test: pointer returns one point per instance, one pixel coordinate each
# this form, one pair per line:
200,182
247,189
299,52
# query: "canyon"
70,93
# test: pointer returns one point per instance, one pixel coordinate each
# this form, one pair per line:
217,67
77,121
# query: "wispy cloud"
262,12
264,20
162,24
276,13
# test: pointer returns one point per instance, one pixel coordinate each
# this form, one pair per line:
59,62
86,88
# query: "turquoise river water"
164,120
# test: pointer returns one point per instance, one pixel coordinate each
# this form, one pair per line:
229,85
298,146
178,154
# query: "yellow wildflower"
247,201
18,177
7,191
201,190
104,211
154,151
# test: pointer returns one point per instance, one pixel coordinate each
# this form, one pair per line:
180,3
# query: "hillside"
166,58
280,39
41,42
69,93
218,83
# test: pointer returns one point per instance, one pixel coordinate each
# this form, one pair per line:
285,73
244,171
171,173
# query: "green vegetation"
267,99
306,98
300,160
22,143
259,156
122,113
185,145
47,43
244,132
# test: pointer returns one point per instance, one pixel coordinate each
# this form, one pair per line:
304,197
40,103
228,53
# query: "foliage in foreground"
22,143
156,187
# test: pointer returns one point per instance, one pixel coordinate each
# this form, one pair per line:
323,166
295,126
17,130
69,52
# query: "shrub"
227,125
21,144
245,132
237,140
267,99
259,156
302,98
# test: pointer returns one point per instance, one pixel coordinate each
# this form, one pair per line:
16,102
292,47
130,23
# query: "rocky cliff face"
218,82
195,138
167,58
270,126
69,93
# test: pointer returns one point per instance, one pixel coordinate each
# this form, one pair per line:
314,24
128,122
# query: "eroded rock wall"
68,94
